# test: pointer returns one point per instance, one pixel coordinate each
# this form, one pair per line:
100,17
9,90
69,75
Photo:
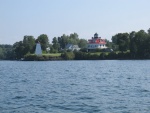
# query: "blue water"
119,86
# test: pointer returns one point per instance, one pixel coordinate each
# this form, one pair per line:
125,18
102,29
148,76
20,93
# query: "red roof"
97,41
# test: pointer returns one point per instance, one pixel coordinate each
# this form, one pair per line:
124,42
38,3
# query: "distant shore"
82,56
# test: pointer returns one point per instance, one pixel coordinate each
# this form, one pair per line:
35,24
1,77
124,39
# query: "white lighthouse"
38,50
96,43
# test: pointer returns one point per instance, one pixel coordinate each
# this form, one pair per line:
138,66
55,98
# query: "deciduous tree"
44,41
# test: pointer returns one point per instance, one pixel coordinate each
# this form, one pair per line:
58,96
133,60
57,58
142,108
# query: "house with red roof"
96,43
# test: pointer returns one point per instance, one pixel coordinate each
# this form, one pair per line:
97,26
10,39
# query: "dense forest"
138,43
133,45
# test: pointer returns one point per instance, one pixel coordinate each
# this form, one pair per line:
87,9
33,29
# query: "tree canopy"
44,41
60,43
137,42
122,40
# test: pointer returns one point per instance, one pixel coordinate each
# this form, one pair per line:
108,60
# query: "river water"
100,86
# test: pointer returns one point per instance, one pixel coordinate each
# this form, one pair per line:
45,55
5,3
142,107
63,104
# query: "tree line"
138,43
27,46
133,45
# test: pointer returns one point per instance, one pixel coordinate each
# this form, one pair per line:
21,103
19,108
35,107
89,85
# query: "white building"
72,47
96,43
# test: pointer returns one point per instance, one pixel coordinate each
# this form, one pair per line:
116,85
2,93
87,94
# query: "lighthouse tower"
38,50
95,35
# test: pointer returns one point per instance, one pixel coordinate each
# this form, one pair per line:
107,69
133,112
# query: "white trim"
96,46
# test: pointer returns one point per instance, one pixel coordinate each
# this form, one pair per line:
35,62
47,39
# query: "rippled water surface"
75,87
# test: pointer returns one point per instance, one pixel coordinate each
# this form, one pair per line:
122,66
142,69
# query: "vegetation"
133,45
44,57
137,42
60,43
68,55
6,52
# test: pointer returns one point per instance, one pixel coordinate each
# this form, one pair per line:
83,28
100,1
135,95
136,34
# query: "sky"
84,17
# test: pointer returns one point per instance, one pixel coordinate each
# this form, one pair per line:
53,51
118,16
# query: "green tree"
56,45
115,45
63,41
122,40
29,44
133,46
19,50
82,43
114,39
9,54
73,39
148,31
6,52
140,40
108,43
43,39
1,53
147,51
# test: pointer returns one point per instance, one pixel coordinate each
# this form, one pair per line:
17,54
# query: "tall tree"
82,43
133,46
140,40
29,44
43,39
108,43
73,39
1,53
19,50
56,45
63,41
148,31
122,40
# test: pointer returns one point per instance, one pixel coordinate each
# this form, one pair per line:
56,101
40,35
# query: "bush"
83,50
112,55
94,57
30,57
33,57
40,58
103,56
68,56
80,55
46,57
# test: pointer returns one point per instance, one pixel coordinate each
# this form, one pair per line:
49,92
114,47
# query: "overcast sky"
85,17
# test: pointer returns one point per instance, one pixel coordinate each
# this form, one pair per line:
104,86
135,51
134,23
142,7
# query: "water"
75,87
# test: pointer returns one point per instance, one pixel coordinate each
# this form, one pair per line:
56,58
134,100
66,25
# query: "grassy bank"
43,57
81,56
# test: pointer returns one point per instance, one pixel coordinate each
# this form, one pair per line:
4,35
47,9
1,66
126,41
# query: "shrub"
112,55
83,50
103,56
30,57
46,57
68,56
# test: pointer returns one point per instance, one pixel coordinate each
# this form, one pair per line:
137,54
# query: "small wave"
67,70
85,98
144,90
73,84
19,97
